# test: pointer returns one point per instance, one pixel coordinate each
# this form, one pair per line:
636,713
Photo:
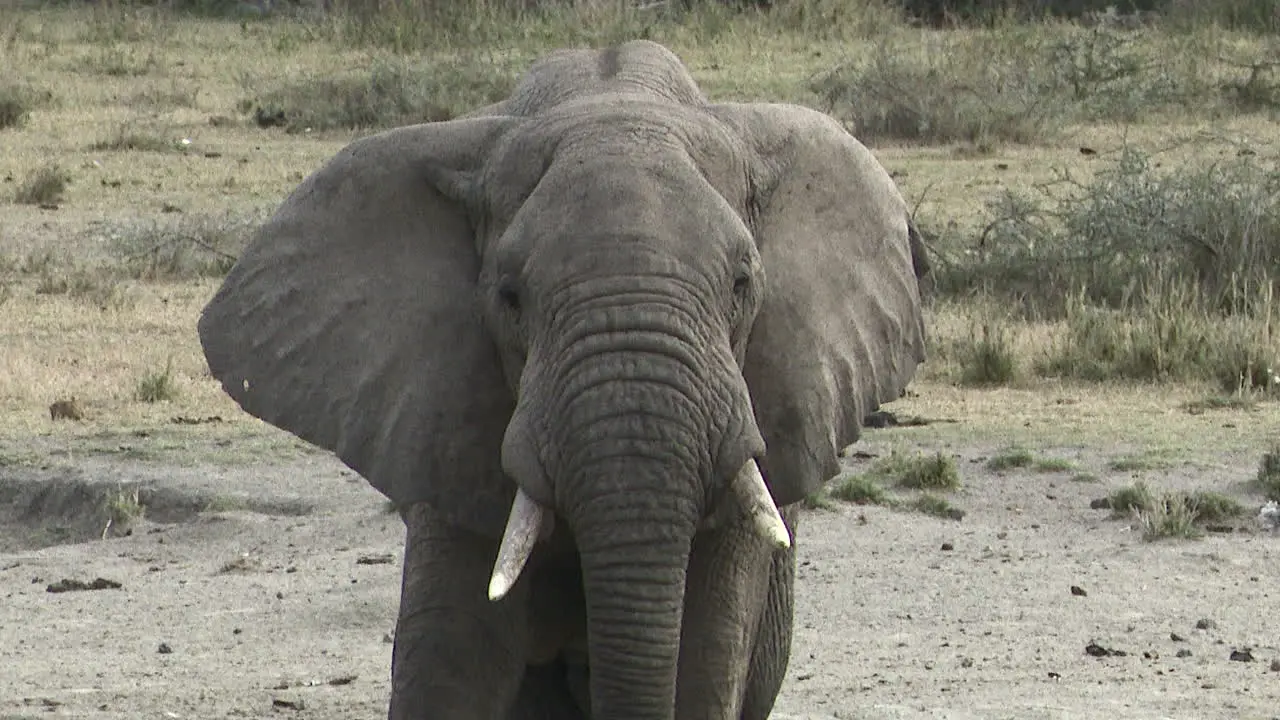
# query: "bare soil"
266,585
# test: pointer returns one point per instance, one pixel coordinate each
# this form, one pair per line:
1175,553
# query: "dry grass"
1269,473
1173,514
154,119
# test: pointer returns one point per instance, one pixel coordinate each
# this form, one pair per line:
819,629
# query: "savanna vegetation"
1100,191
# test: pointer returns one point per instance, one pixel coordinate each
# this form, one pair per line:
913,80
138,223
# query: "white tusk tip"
499,585
775,530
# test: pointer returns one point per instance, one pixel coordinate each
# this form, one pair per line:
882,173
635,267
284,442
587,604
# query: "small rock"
382,559
1269,516
291,704
1176,637
968,662
947,547
1275,666
1244,655
1184,653
279,595
1078,591
1100,504
1206,624
67,585
343,680
164,649
1095,650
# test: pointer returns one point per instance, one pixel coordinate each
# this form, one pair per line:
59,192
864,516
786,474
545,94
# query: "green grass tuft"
1212,507
158,386
1016,457
1053,465
1010,459
123,509
1137,463
937,506
1133,498
917,472
860,489
1170,516
1173,514
820,499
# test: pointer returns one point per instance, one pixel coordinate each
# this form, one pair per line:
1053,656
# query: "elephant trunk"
632,452
633,566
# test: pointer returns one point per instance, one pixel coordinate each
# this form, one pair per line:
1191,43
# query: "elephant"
596,341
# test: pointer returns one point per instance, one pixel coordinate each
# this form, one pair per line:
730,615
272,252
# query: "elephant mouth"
528,522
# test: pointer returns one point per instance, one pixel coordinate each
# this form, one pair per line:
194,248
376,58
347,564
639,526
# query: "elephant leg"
727,586
772,651
456,655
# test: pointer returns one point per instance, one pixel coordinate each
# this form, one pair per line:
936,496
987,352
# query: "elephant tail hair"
919,256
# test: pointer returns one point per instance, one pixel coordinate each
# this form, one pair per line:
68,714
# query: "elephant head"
604,301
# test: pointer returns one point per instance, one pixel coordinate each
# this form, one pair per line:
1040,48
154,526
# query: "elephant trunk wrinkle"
629,393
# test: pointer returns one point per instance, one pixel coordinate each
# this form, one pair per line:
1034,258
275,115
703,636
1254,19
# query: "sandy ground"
269,589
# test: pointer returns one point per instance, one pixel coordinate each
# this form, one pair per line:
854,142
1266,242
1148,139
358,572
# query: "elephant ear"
350,321
840,329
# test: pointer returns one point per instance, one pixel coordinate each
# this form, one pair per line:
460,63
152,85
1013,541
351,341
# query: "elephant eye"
509,297
741,282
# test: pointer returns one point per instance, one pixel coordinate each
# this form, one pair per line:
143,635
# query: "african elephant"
597,341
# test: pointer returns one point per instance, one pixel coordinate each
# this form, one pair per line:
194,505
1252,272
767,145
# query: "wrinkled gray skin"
612,294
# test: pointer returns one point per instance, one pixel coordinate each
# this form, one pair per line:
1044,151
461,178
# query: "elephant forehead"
679,138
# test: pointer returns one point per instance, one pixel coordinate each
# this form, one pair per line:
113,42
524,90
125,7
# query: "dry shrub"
190,247
946,88
394,92
1021,83
1131,227
1157,274
45,186
15,106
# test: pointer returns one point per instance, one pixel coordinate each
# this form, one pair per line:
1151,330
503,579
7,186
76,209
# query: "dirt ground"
265,584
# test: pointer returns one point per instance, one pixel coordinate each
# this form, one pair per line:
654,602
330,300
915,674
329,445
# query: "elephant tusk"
524,525
754,495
